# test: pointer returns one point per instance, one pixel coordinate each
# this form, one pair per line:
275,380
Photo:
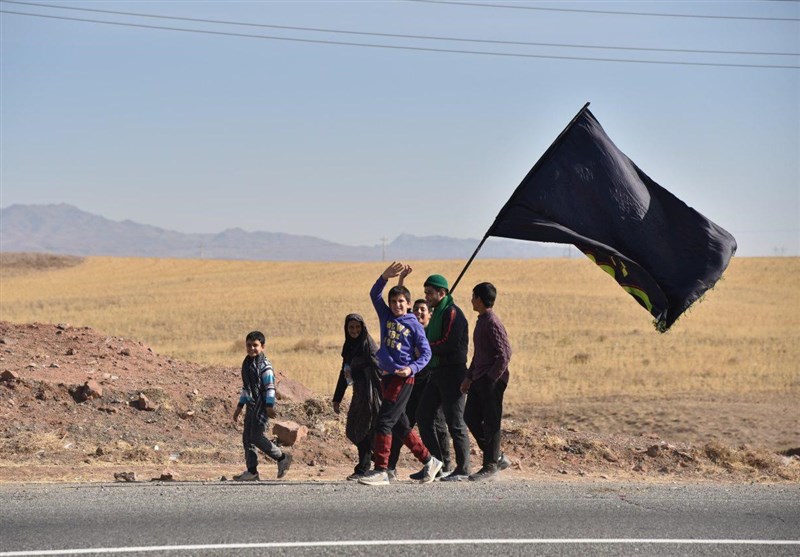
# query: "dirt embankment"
76,404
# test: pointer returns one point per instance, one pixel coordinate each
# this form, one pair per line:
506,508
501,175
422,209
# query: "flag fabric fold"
584,191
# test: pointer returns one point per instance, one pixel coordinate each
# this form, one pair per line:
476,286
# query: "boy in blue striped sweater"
258,394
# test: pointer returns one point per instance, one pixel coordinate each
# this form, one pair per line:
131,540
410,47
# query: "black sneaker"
246,476
455,476
284,464
488,472
503,462
417,475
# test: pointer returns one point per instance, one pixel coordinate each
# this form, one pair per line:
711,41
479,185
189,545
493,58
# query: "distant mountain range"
67,230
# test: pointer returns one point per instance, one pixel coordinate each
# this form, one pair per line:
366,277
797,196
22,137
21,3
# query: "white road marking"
362,543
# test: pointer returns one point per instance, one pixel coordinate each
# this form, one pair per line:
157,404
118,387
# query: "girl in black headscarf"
359,368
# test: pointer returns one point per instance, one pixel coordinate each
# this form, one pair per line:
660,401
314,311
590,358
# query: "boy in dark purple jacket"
486,381
404,351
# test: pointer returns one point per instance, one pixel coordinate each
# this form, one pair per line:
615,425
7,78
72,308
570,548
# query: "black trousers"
483,413
439,424
364,454
444,391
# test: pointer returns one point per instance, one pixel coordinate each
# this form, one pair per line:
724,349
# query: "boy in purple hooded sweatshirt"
404,351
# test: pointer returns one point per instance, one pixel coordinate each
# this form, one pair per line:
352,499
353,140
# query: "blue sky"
200,132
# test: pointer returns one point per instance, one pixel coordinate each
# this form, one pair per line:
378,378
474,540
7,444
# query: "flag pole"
508,203
464,270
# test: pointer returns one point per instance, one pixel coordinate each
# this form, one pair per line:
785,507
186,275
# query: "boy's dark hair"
420,301
256,335
486,292
398,290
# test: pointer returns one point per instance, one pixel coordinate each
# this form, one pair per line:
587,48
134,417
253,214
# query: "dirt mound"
79,405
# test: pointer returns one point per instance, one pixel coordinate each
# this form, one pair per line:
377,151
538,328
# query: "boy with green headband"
448,335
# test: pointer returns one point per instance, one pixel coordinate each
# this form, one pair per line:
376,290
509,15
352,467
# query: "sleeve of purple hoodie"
376,295
423,348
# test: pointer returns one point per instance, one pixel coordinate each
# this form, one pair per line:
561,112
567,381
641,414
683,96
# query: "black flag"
584,191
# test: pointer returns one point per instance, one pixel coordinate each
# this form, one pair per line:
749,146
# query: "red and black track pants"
392,421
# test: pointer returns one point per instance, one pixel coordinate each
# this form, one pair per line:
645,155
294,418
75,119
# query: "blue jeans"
255,424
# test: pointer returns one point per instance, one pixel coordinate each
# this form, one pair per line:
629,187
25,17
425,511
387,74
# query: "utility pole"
383,248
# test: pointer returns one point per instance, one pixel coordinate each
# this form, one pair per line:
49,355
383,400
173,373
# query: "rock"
9,376
125,352
653,451
62,326
187,414
70,352
289,389
54,365
7,341
610,456
288,432
125,476
90,390
142,403
166,476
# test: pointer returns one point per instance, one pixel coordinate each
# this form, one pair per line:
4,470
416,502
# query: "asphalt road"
500,518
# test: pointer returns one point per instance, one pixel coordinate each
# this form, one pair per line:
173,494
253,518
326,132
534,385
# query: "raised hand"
403,274
393,270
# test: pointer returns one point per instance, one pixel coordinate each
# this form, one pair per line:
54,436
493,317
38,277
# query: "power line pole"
383,248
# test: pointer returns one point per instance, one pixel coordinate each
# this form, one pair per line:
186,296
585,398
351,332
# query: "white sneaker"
246,476
375,477
430,470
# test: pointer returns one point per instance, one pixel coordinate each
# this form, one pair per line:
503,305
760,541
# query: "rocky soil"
78,405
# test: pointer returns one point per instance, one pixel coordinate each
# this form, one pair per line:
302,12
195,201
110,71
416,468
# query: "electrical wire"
409,48
604,12
405,36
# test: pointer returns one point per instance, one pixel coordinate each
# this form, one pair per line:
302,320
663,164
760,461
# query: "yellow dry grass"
575,333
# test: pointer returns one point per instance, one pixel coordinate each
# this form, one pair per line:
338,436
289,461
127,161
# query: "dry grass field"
575,333
595,389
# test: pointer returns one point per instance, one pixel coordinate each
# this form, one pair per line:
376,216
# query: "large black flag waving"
584,191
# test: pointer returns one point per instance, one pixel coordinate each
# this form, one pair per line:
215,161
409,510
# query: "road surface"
343,518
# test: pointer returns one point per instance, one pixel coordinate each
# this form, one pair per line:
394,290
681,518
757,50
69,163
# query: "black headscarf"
359,353
362,345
